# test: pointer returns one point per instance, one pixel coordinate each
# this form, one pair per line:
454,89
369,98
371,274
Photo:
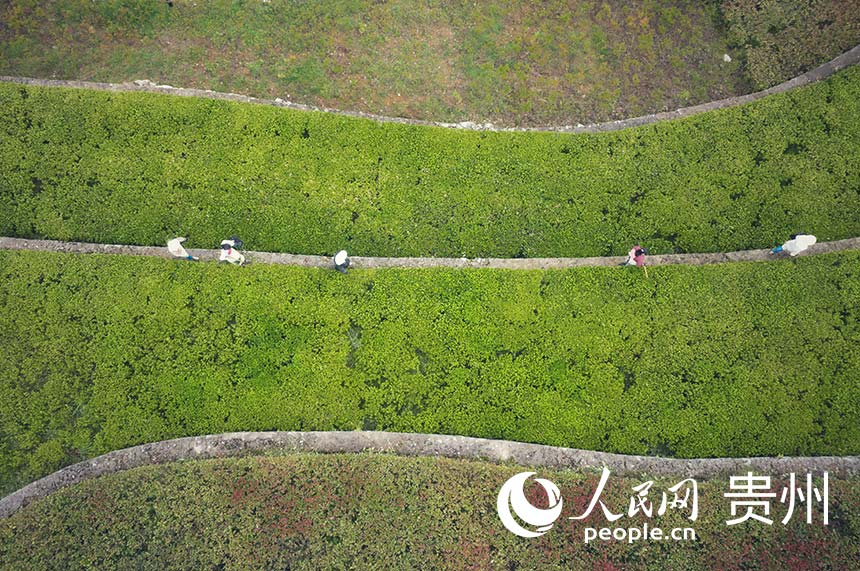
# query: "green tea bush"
304,511
105,352
141,168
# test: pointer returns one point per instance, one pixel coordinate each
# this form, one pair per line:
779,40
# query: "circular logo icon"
512,497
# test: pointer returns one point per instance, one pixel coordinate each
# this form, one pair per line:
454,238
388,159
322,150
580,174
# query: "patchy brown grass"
526,63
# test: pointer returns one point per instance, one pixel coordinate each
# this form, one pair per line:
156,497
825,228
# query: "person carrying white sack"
174,246
797,244
341,261
230,251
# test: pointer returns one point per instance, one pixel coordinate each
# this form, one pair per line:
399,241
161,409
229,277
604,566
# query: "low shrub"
139,168
780,39
104,352
304,511
537,63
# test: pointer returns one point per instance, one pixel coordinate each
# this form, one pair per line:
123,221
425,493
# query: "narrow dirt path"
370,262
851,57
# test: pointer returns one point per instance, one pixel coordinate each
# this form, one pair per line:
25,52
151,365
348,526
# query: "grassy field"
779,39
142,168
381,512
523,63
104,352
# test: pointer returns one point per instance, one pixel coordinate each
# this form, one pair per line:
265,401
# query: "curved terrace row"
138,168
242,444
303,511
103,352
514,63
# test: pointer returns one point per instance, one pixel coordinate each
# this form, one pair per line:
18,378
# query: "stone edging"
403,444
359,262
851,57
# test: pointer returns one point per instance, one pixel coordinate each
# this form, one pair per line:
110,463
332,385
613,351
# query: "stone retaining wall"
373,263
849,58
434,445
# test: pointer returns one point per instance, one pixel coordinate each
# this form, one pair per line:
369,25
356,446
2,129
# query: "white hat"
340,258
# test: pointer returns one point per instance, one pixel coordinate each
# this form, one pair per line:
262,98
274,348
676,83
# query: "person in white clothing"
341,261
230,252
797,244
174,246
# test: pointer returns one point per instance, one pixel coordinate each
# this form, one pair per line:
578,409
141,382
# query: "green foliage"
780,39
105,352
303,511
521,63
142,168
515,63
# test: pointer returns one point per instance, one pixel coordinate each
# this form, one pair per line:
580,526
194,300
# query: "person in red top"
636,257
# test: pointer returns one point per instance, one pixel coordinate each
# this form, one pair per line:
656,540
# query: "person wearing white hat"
797,244
230,252
174,246
341,261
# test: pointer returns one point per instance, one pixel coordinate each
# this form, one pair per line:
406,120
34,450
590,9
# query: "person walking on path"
230,251
341,261
174,246
797,244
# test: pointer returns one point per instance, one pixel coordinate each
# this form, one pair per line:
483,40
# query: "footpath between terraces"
359,262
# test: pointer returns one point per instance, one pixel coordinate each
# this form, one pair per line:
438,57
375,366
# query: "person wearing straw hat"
341,261
174,246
